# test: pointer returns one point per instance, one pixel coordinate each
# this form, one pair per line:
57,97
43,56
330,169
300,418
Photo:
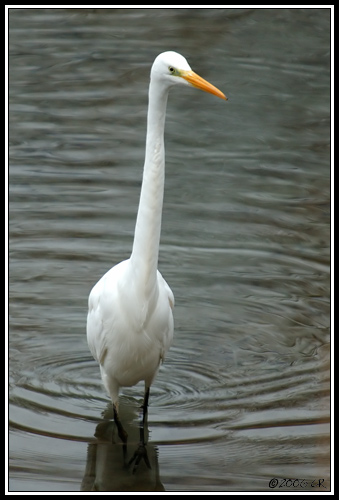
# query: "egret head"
171,68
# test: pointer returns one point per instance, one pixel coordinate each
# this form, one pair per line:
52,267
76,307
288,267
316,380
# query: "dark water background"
243,396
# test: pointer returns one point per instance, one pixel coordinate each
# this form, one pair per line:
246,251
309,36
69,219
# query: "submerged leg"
121,431
141,452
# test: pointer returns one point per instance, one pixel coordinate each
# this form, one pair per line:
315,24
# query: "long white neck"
144,258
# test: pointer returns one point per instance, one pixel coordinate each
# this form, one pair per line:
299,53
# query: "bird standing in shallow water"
130,320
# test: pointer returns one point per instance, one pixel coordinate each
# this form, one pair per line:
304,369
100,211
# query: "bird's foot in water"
121,431
122,434
139,454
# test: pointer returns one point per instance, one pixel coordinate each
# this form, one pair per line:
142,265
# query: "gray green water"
243,396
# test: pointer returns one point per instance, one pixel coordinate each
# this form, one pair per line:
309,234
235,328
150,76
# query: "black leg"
141,452
121,431
145,404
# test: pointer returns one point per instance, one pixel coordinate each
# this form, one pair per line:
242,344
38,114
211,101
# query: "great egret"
130,320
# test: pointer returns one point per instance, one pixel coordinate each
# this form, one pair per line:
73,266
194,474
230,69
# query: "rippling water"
243,396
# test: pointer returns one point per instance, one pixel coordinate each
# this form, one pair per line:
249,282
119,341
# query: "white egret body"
130,320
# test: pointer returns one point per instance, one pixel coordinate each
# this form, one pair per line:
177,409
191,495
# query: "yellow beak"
201,84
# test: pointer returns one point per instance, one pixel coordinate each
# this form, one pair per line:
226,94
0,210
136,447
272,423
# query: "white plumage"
128,331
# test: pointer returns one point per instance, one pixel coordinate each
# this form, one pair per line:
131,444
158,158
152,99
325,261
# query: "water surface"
243,396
